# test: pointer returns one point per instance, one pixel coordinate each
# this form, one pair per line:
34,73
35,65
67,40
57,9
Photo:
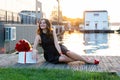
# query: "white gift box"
26,57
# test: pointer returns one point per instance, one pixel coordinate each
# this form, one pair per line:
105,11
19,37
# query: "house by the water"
96,21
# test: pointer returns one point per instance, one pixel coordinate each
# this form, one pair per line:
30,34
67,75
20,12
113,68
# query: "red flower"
23,45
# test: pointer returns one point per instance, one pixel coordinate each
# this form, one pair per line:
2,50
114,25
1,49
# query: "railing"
7,17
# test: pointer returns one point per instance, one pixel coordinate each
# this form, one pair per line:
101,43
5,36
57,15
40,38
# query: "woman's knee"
64,58
68,52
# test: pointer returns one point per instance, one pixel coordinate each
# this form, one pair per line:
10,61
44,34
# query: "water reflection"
93,43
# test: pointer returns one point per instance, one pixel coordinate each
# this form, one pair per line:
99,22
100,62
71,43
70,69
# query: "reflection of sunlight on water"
105,44
74,42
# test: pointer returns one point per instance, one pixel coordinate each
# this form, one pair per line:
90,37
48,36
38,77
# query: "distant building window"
104,21
96,14
96,25
87,24
96,21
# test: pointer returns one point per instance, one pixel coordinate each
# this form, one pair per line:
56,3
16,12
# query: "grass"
52,74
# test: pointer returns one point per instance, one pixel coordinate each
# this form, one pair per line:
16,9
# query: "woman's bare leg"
64,58
76,57
70,61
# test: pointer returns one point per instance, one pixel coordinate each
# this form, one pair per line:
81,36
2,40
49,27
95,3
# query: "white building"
96,20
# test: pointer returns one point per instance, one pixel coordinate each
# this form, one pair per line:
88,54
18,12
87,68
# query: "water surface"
93,43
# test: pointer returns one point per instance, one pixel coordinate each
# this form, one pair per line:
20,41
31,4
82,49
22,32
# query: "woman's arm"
37,40
56,41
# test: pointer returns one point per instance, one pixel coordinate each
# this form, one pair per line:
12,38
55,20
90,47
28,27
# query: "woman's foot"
95,61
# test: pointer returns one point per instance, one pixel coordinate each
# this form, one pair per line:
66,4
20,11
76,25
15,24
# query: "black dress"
50,52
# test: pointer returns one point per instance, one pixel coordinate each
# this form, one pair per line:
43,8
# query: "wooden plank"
107,63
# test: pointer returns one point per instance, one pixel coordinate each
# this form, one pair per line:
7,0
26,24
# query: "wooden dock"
97,31
107,63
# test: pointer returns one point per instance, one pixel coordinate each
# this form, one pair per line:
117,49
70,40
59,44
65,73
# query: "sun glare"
74,42
76,8
70,8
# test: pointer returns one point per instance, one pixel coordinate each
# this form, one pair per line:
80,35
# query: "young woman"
54,52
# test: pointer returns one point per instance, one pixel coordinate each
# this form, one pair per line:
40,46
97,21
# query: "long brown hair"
49,28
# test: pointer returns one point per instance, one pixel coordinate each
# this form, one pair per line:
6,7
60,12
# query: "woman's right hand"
34,54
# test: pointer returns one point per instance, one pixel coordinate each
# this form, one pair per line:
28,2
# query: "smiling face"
43,24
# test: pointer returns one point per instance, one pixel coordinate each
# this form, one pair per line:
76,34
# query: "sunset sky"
70,8
75,8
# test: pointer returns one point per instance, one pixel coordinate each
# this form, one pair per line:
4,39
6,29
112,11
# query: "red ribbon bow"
23,45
